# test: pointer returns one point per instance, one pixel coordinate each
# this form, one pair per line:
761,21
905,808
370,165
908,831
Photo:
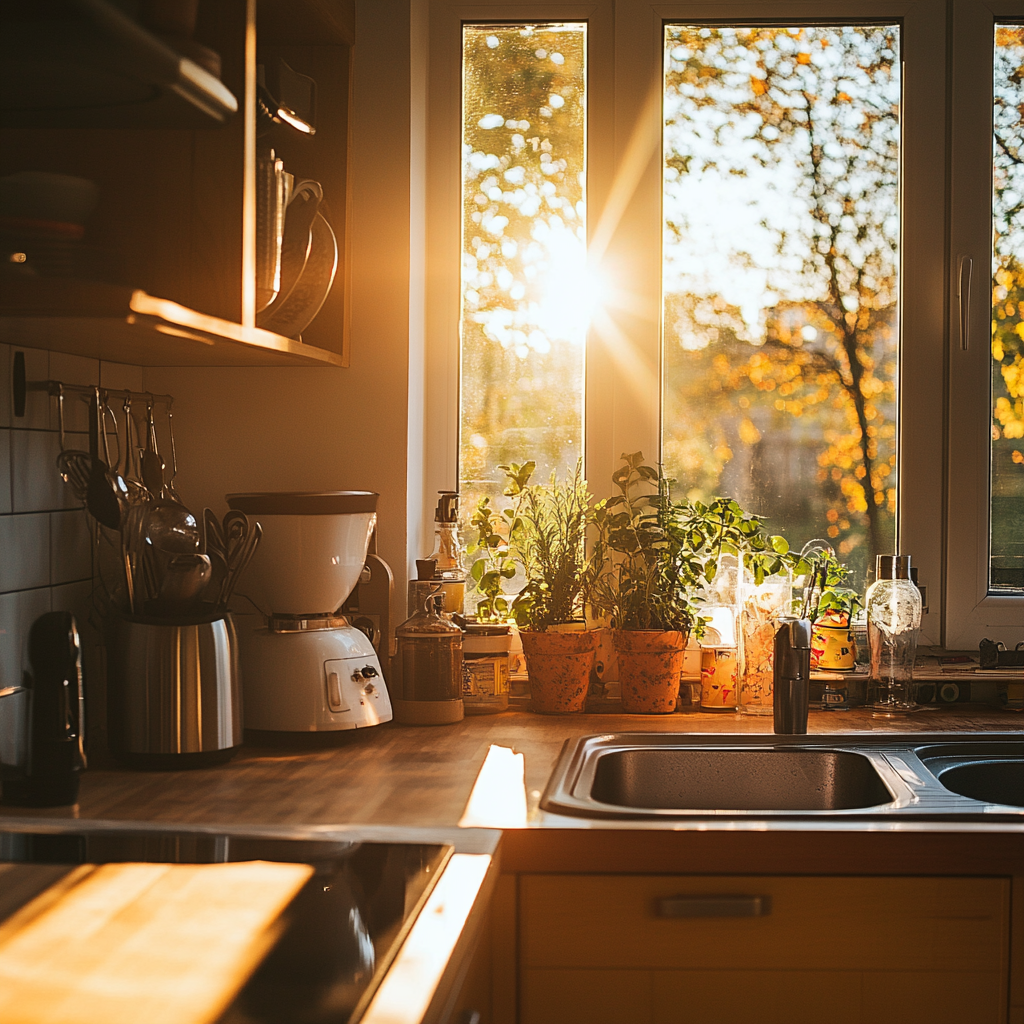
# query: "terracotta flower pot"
650,663
559,666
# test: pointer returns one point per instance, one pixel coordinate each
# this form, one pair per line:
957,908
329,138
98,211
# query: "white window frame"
971,612
625,53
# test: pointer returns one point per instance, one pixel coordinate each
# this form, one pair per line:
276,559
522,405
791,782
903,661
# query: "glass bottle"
450,568
893,605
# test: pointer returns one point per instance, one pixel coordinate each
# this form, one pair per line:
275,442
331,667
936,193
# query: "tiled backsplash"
46,559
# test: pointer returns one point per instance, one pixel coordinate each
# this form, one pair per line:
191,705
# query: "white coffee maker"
304,667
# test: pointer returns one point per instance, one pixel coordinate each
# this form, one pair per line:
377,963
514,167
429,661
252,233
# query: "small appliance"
42,722
305,667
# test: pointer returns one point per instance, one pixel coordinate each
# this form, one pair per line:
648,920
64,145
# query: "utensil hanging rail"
54,388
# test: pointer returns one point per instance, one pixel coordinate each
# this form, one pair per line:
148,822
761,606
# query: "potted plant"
832,641
659,556
645,587
722,527
547,538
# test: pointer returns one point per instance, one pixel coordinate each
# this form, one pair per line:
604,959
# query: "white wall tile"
36,485
37,403
5,471
17,613
5,386
70,547
24,552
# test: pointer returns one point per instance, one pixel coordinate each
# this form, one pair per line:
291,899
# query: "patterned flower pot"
559,666
650,663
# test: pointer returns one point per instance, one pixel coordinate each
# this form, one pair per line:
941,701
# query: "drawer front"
726,996
812,923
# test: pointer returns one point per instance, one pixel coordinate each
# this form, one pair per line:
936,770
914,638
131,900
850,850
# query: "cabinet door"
594,949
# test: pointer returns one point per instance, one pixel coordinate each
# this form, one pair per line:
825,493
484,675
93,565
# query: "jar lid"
892,567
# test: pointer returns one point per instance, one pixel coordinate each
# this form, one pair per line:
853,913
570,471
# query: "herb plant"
495,563
547,537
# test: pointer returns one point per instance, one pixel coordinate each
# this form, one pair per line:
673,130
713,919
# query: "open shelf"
126,325
92,66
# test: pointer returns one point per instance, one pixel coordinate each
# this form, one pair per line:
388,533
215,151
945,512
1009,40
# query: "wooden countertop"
418,775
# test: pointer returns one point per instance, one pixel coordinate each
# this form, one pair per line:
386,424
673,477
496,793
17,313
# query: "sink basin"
661,775
994,782
754,780
990,772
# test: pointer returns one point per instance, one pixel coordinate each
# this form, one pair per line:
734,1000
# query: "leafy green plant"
547,537
660,553
722,528
641,585
836,601
494,564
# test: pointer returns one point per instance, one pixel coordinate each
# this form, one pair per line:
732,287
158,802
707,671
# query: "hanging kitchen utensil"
101,498
152,464
172,491
138,493
74,466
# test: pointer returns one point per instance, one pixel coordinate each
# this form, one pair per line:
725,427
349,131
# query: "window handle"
963,292
713,906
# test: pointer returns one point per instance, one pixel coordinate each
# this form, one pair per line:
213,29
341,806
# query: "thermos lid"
892,567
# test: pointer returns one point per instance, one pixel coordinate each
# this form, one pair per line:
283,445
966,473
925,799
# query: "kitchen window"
722,340
985,543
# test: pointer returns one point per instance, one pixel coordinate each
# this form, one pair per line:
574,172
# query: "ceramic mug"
833,648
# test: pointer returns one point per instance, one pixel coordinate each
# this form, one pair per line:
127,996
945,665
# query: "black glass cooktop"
340,932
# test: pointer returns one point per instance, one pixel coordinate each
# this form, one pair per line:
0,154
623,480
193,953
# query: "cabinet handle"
963,293
713,906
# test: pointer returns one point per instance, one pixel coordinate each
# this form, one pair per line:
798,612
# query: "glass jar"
762,609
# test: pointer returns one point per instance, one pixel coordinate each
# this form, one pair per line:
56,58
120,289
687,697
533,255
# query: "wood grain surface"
416,775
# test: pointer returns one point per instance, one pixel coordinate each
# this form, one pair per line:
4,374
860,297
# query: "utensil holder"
175,700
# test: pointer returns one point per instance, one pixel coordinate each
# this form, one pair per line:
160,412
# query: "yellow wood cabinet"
831,950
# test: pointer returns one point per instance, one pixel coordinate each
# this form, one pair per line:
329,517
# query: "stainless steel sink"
664,775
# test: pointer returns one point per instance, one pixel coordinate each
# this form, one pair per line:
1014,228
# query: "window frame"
623,388
971,611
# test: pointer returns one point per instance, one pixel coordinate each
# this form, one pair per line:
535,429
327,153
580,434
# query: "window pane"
1007,565
781,250
523,251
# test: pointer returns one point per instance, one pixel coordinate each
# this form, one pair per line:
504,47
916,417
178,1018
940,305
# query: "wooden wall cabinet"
178,204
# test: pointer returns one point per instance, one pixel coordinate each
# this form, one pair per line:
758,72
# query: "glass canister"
429,667
893,605
762,608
